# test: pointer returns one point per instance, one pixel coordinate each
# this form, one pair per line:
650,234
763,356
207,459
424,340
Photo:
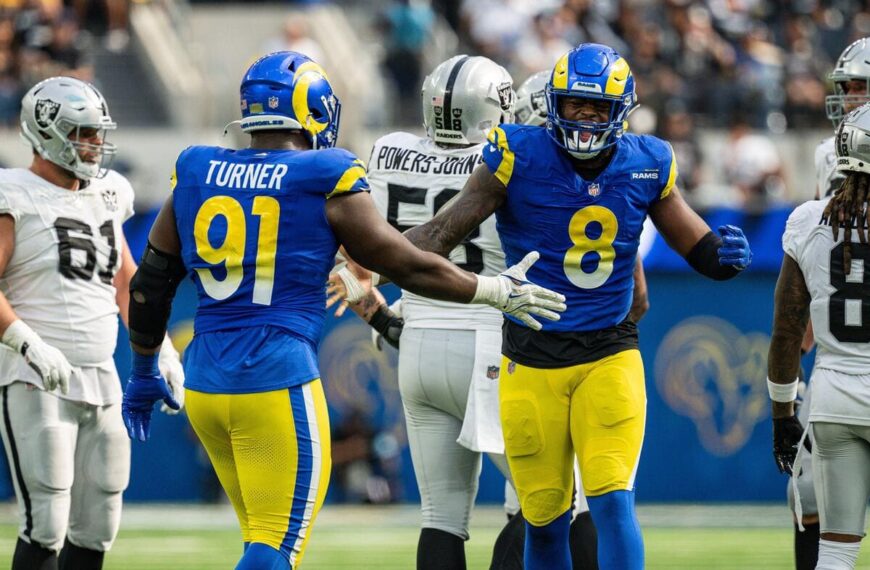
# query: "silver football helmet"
532,100
53,115
854,63
852,141
464,97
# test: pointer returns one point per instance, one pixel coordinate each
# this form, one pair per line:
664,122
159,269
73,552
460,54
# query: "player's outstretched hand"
50,363
787,433
144,388
511,293
348,286
169,364
735,248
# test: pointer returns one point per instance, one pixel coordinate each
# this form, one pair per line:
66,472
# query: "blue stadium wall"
704,346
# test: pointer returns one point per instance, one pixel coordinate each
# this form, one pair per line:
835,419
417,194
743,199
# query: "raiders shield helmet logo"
539,101
505,96
45,112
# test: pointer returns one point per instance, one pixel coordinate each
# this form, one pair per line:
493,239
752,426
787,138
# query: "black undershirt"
540,349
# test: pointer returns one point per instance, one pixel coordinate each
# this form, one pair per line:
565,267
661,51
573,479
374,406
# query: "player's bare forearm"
376,245
678,223
122,282
790,316
482,195
640,298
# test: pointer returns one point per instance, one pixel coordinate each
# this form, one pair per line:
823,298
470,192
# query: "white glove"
510,293
50,363
171,369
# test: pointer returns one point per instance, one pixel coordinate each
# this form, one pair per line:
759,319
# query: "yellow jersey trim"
498,137
348,179
672,175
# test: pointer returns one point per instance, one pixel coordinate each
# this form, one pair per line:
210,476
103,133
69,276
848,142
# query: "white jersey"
59,279
840,313
411,179
828,179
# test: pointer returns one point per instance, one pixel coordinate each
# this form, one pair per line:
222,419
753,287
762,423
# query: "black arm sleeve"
152,289
704,258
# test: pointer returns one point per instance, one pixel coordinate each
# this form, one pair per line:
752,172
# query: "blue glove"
735,248
144,388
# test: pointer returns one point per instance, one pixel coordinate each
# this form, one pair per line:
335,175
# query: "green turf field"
184,538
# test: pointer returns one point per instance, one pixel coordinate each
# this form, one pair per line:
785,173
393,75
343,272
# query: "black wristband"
704,258
382,319
388,324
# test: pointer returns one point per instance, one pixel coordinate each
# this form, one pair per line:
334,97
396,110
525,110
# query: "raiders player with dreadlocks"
819,281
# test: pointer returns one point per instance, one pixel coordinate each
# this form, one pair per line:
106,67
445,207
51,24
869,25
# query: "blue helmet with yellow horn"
288,90
591,71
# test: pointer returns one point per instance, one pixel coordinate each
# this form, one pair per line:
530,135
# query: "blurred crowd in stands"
44,38
746,67
743,65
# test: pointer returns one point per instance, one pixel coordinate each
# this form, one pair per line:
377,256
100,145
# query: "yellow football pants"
596,410
271,452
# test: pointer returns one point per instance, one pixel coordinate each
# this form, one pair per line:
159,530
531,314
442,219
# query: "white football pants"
70,463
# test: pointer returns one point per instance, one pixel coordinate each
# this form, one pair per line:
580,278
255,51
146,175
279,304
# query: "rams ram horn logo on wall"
45,112
710,372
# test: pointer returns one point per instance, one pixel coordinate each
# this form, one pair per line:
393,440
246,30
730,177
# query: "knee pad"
542,506
109,465
604,472
50,460
523,433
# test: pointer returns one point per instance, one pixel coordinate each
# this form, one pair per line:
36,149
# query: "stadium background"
737,86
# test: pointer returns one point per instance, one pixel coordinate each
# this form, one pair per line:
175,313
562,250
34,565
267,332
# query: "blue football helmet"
591,71
288,90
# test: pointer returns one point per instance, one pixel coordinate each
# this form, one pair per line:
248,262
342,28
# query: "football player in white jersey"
824,277
850,77
64,276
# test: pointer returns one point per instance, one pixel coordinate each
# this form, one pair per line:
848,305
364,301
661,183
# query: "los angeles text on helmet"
407,160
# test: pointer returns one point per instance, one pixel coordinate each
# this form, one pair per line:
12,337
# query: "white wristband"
782,392
490,291
17,334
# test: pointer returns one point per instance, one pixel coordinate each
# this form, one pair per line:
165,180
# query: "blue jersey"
587,232
254,234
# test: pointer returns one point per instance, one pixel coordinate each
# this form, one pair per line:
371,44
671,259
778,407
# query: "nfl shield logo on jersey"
110,199
492,372
273,102
594,190
511,367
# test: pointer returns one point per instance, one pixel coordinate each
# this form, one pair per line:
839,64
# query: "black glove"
388,325
787,433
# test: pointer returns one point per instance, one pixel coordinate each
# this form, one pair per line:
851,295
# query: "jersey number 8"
593,231
231,252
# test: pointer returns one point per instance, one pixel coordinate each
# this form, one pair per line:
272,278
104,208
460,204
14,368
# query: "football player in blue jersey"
578,192
259,228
